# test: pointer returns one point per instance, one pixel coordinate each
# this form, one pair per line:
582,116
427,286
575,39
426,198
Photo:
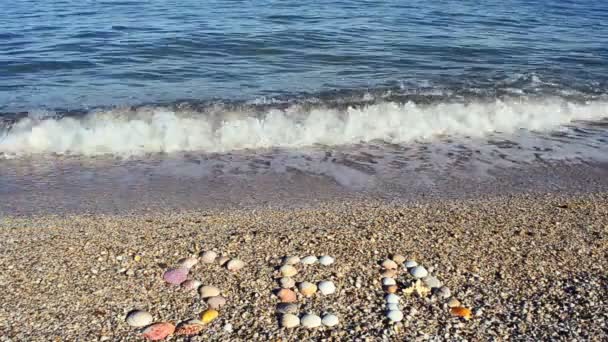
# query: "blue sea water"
75,55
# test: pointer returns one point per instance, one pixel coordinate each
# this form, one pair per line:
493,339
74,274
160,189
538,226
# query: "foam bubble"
150,130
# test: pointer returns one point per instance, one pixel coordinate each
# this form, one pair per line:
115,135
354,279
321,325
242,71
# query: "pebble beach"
515,267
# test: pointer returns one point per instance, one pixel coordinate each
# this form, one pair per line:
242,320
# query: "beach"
528,266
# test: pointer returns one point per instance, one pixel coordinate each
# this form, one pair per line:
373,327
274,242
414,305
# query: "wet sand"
529,267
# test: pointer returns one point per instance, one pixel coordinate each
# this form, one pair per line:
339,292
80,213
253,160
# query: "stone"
158,331
453,303
389,264
176,276
310,321
330,320
287,283
209,291
444,292
187,262
431,281
191,285
392,306
419,272
389,273
326,287
410,264
139,318
291,260
216,302
386,281
228,328
209,315
288,271
289,321
398,258
208,257
326,260
235,265
392,298
189,328
307,289
287,308
309,260
391,289
287,296
394,315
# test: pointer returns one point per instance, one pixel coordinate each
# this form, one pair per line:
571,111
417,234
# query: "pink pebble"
176,276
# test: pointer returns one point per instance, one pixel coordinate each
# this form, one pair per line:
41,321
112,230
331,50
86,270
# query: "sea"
149,105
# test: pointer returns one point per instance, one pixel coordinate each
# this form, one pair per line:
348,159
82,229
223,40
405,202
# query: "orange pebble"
460,311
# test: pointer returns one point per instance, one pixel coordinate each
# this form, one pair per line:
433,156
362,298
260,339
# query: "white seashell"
208,257
209,291
291,260
392,306
326,260
392,298
139,318
327,287
386,281
309,260
330,320
188,262
288,271
235,265
310,321
290,321
410,264
287,283
394,315
419,272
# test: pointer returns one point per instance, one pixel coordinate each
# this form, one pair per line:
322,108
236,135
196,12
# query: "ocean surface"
128,105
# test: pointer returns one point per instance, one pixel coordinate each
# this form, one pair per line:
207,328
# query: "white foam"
150,130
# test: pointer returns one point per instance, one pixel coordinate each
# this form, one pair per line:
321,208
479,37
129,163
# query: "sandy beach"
528,266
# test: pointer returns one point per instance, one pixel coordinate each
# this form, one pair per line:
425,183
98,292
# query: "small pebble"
209,291
209,315
291,260
453,303
228,328
287,308
208,257
290,321
158,331
191,285
309,260
392,306
410,264
330,320
444,292
287,283
419,272
288,271
395,315
287,296
398,258
327,287
389,264
216,302
386,281
310,321
307,289
187,262
326,260
389,273
176,276
392,298
431,281
235,265
391,289
139,318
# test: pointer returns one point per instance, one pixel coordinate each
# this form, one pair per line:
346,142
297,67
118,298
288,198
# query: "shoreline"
529,266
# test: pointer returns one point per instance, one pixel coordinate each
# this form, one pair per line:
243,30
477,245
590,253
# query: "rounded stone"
158,331
191,285
310,321
419,272
398,258
431,281
330,320
392,306
291,260
287,283
289,321
309,260
208,257
287,296
389,273
327,287
288,271
453,303
216,302
392,298
176,276
326,260
389,264
410,264
386,281
235,265
187,262
307,289
394,315
444,292
287,308
139,318
391,289
208,291
209,315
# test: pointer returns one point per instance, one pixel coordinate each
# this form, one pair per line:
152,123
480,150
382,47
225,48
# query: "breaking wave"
131,132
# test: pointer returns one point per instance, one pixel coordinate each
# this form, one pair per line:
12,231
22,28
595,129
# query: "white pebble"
228,327
288,271
395,315
287,283
290,321
389,264
309,260
235,265
310,321
327,287
291,260
419,272
410,264
208,291
386,281
330,320
326,260
392,298
392,306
